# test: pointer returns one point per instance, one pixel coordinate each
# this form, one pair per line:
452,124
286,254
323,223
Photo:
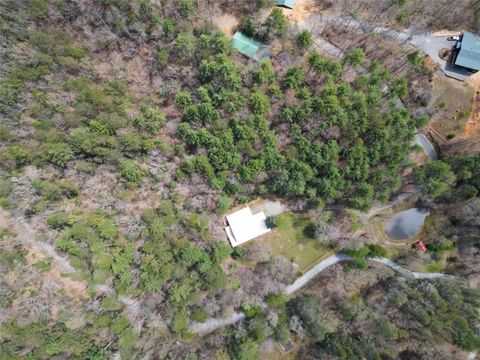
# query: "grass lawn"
435,267
290,240
440,263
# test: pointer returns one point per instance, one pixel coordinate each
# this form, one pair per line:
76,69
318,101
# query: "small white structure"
245,226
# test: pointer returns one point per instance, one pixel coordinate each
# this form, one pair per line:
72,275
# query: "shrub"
180,321
276,300
375,250
214,278
259,103
264,73
464,336
199,314
355,58
294,77
277,22
263,3
58,220
131,172
248,26
52,191
251,310
102,261
161,57
98,127
85,167
185,46
49,190
74,52
58,153
221,251
44,265
223,204
360,263
153,114
466,192
5,134
38,8
150,119
238,253
18,153
5,203
68,189
304,39
272,222
111,303
443,244
183,99
5,188
119,325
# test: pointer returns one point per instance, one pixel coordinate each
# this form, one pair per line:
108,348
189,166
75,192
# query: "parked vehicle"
454,38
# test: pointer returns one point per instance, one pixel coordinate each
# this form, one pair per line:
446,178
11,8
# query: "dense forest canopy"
306,131
128,128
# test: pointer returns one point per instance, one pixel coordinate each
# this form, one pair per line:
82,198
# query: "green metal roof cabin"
469,54
249,47
286,3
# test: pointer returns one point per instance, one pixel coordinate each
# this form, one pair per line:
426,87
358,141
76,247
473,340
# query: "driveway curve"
213,324
422,140
313,272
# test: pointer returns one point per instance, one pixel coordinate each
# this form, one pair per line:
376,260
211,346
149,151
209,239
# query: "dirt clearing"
227,23
442,33
452,101
302,10
472,128
73,289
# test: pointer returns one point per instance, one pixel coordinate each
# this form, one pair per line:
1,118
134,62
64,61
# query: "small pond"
406,224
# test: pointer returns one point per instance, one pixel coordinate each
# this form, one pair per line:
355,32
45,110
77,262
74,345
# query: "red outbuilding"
420,246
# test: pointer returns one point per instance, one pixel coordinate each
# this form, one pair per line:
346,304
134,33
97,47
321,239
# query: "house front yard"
291,239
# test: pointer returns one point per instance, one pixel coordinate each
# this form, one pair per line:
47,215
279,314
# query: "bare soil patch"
446,32
227,23
302,10
25,235
472,128
107,68
451,99
419,158
73,289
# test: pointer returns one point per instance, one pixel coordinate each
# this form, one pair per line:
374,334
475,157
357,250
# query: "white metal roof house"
243,226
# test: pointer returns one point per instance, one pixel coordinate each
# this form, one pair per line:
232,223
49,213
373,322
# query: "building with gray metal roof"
467,52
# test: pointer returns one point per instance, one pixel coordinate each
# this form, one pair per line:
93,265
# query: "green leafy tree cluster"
165,258
96,247
467,172
359,257
313,164
437,178
276,23
431,309
39,340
